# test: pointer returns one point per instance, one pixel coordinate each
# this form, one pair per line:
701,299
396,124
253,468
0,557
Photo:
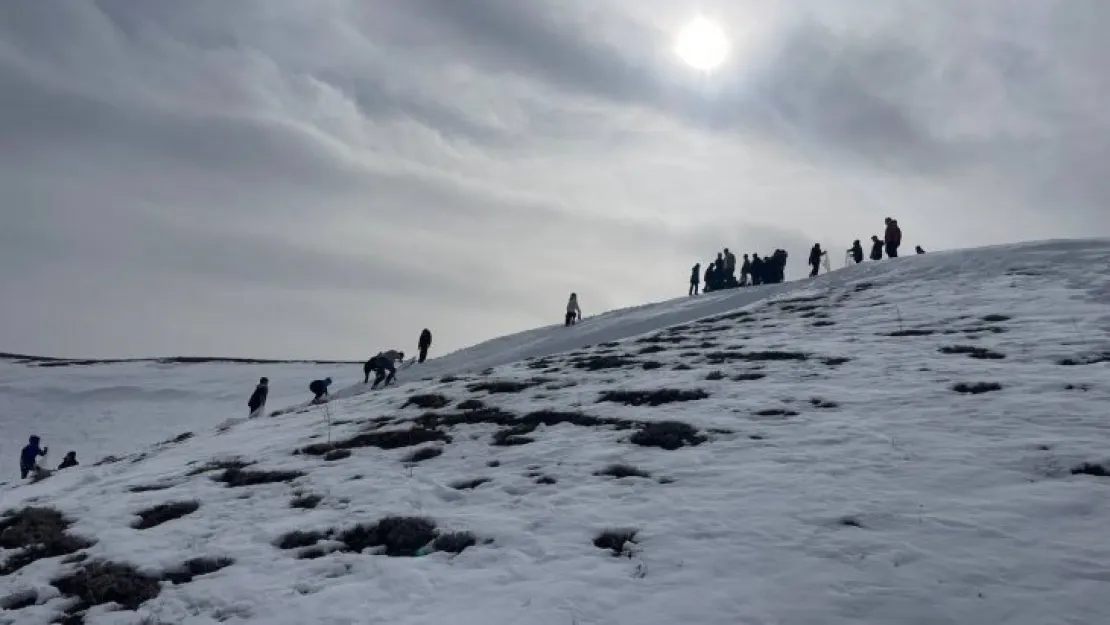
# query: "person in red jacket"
892,238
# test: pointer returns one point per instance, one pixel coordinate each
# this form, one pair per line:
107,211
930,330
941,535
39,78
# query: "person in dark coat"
69,461
892,238
382,366
876,248
745,271
857,252
710,278
815,260
319,389
695,279
423,345
30,456
919,249
719,269
257,402
757,270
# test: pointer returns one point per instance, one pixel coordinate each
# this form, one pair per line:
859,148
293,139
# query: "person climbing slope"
30,456
815,255
257,402
69,461
319,389
574,312
423,344
382,366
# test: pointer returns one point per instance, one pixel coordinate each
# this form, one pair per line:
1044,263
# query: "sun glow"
702,44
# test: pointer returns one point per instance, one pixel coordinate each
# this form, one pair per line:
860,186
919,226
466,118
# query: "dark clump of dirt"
652,398
981,353
513,436
337,454
669,435
817,402
621,471
995,318
454,542
305,502
713,376
300,538
1085,359
470,484
746,377
835,361
162,513
146,488
180,438
390,439
682,367
429,401
651,365
35,534
977,387
1088,468
601,363
449,379
493,463
471,404
422,454
505,386
776,412
236,478
652,349
196,567
823,323
396,536
616,540
912,332
545,479
97,583
220,465
731,356
19,600
850,522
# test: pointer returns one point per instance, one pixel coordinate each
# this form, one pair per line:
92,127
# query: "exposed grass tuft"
980,353
669,435
652,398
163,513
616,540
470,484
422,454
977,387
622,471
306,502
236,478
390,439
428,401
196,567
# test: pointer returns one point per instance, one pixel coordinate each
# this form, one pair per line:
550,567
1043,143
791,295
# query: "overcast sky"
282,178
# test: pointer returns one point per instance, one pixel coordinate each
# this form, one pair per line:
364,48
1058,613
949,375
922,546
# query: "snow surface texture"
891,443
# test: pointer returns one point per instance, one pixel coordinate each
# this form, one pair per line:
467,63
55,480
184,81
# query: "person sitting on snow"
69,461
319,389
30,456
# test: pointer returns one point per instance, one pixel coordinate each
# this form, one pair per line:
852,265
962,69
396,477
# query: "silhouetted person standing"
857,252
757,270
892,238
574,311
745,271
695,279
257,402
815,260
876,248
424,344
30,456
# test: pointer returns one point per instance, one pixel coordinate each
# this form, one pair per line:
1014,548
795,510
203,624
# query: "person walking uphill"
695,279
892,238
30,456
319,389
574,312
257,402
424,343
815,260
382,366
876,248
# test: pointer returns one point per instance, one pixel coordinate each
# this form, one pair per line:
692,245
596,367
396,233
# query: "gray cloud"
270,178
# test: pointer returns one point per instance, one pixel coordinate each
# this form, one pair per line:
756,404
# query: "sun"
702,44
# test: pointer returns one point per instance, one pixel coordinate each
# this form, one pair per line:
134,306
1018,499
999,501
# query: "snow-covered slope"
892,443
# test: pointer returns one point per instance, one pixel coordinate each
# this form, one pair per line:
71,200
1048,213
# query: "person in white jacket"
574,313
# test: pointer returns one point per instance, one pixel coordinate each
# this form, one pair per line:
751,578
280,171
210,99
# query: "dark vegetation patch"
995,318
657,339
539,363
1089,468
306,502
545,480
739,317
513,436
850,522
1077,387
19,600
495,387
749,376
982,329
196,567
422,454
862,286
977,388
162,513
454,542
493,463
713,376
651,365
616,540
470,484
980,353
35,534
669,435
220,465
913,332
652,398
300,538
761,356
817,402
823,323
180,438
682,367
391,536
621,471
449,379
107,460
776,412
610,344
756,437
471,404
1086,359
235,478
390,439
652,349
601,363
97,583
146,488
337,454
835,361
801,299
427,401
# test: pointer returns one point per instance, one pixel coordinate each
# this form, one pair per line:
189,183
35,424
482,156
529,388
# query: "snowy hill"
914,441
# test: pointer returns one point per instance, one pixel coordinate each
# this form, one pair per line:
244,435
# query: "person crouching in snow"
257,402
574,312
382,366
319,389
69,461
30,456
